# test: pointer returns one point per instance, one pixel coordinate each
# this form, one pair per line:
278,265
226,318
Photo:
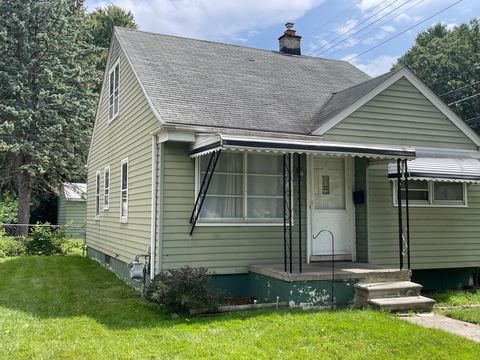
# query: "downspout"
153,215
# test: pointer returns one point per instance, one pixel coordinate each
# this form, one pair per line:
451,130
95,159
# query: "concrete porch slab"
344,270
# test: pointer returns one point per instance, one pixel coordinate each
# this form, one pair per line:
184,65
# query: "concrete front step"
405,303
391,289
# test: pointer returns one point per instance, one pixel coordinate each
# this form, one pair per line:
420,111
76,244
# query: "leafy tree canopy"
103,21
48,94
448,61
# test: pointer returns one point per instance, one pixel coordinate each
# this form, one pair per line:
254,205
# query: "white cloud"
368,4
346,27
209,19
407,18
388,28
377,66
451,26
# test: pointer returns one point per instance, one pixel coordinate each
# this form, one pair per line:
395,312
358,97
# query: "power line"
360,23
404,31
332,19
460,88
365,27
464,99
385,22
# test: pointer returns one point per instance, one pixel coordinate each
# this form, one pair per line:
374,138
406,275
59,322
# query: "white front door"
332,208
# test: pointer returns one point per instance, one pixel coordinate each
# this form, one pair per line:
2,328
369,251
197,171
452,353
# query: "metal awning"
209,143
440,169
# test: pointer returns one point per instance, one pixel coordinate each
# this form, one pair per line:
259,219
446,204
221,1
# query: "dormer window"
113,102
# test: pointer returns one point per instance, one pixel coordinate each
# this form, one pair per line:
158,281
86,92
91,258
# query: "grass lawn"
70,307
459,298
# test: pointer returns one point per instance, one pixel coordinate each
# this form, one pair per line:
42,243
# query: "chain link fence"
70,231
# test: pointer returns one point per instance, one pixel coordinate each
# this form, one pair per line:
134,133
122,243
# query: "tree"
448,61
47,95
102,21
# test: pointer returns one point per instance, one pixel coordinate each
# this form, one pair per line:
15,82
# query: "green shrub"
43,241
73,246
183,290
8,208
9,246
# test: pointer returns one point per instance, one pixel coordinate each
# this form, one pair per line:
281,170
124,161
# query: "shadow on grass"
74,286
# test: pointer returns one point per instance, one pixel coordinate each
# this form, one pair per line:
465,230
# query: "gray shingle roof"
212,84
341,100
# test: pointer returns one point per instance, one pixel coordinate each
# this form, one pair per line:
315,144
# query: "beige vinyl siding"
361,210
223,249
445,237
400,115
127,136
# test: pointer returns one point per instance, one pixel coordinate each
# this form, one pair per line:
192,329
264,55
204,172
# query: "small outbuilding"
72,204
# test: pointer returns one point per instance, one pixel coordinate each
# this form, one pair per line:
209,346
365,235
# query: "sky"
336,29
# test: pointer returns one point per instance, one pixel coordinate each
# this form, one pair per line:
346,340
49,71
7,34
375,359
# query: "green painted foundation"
444,279
299,293
232,285
302,293
120,268
261,287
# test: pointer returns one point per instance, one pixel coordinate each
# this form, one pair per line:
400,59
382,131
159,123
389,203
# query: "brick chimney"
290,42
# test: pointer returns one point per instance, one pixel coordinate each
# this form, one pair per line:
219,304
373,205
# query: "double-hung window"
433,193
245,187
124,191
113,100
106,187
97,195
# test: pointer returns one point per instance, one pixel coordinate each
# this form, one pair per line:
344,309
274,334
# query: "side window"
448,193
97,195
113,99
106,188
433,193
124,191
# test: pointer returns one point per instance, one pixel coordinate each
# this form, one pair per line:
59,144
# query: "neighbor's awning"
440,169
206,144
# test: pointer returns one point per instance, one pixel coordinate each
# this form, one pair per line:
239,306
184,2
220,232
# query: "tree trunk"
24,196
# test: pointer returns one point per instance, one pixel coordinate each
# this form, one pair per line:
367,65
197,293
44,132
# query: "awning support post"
287,212
299,189
399,203
202,192
407,213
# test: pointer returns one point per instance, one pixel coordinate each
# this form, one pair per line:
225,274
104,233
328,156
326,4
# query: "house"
265,165
72,207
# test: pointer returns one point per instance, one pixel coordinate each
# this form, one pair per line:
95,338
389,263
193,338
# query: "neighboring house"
72,205
200,151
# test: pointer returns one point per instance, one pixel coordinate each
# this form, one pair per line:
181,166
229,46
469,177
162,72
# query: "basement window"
113,99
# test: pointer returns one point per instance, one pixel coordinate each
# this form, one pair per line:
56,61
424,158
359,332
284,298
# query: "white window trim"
431,202
112,69
245,221
124,219
97,195
106,206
